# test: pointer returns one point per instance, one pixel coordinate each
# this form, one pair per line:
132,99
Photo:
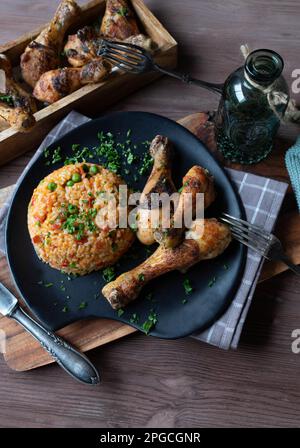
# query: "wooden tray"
24,353
99,95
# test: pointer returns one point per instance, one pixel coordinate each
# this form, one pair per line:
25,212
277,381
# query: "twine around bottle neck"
275,98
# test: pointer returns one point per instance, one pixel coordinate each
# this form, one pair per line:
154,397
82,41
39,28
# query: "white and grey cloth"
262,199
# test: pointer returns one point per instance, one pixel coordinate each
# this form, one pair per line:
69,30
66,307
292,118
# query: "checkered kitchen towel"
262,199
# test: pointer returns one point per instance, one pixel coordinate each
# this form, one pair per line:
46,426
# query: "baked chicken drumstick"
160,181
43,53
206,239
55,84
19,109
196,180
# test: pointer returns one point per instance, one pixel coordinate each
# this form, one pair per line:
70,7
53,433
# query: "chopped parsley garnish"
150,322
77,223
184,301
134,319
65,309
107,149
8,99
188,289
120,312
54,155
147,163
130,157
48,285
212,282
225,266
141,277
109,274
72,265
123,11
82,305
183,186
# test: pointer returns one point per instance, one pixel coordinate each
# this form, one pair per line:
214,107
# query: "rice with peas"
63,219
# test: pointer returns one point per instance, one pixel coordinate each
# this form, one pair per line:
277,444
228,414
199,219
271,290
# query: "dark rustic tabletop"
150,382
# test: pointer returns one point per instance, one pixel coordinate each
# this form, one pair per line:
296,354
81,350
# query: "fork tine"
248,234
130,48
122,54
119,61
240,221
121,65
125,48
247,227
253,239
248,244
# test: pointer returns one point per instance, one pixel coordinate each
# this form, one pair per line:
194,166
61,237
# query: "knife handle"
72,361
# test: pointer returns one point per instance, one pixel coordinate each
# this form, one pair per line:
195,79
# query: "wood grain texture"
149,382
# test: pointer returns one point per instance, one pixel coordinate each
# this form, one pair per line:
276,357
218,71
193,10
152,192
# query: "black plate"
175,319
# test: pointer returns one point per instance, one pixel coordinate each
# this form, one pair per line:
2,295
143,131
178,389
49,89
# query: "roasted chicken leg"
160,181
55,84
207,239
119,20
42,54
19,107
196,180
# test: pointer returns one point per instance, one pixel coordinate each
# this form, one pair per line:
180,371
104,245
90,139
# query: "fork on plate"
135,59
259,240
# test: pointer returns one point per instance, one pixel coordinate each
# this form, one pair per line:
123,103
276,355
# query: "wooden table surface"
183,383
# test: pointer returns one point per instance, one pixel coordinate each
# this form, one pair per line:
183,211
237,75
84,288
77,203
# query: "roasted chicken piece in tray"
206,239
119,21
83,46
196,181
56,84
16,105
160,181
43,53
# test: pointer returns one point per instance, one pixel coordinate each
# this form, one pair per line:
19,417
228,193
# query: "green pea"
76,178
94,170
72,209
70,183
52,186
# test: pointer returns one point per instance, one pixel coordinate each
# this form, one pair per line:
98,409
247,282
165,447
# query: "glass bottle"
254,98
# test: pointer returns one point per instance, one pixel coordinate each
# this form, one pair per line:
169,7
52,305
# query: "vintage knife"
71,360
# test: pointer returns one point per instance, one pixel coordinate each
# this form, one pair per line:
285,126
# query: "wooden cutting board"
22,352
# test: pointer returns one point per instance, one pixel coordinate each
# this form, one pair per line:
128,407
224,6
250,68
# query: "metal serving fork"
258,239
135,59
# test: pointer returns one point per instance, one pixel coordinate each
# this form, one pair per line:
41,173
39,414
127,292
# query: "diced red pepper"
36,239
82,240
56,226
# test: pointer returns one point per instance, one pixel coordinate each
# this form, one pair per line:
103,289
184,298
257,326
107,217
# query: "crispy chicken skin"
119,20
56,84
207,239
82,47
42,54
18,114
160,181
196,180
